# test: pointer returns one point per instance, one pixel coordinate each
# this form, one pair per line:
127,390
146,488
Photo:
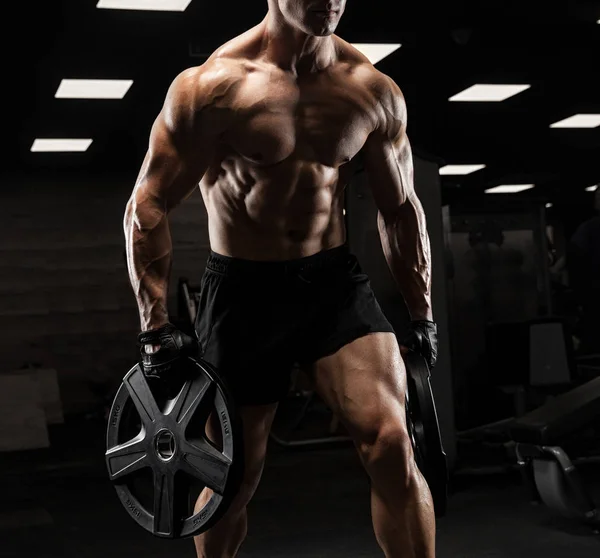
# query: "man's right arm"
181,144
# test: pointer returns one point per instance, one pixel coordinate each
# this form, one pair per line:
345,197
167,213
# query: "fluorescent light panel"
60,145
509,188
592,188
93,88
578,121
481,92
148,5
376,52
448,170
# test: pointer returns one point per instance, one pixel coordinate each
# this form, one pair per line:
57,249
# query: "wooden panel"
22,417
48,388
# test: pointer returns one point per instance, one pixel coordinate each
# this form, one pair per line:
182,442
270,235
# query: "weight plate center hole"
165,445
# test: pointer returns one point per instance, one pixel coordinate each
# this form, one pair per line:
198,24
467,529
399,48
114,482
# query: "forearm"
149,256
405,244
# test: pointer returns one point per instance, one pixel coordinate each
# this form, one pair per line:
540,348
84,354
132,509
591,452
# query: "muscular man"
267,127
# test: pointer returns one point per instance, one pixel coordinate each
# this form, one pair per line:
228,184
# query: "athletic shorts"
257,319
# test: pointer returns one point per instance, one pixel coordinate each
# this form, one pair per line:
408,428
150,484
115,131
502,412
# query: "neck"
293,50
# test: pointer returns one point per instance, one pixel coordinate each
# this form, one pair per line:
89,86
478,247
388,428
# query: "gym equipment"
498,273
424,429
159,455
548,471
553,478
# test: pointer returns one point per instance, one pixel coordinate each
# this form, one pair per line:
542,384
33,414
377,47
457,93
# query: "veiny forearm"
406,247
149,256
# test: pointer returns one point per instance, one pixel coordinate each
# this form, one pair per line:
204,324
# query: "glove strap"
155,336
427,323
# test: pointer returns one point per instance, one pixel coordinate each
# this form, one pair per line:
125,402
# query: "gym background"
508,183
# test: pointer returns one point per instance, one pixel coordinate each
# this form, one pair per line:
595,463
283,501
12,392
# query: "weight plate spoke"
164,503
193,398
127,458
205,463
142,397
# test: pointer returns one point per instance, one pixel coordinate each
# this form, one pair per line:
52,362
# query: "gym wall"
65,298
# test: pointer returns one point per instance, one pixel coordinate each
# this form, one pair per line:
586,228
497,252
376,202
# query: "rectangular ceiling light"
93,88
60,145
482,92
578,121
509,188
459,169
149,5
592,188
376,52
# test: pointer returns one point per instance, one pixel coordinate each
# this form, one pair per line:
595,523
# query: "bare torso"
274,189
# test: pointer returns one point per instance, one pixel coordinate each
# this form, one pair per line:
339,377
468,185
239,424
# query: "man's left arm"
401,219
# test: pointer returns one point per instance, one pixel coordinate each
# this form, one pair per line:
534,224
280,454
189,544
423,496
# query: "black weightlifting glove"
421,337
174,344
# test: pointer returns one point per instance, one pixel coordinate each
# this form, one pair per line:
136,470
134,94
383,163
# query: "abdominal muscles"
281,211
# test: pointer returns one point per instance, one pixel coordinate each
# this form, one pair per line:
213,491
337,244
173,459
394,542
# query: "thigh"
364,384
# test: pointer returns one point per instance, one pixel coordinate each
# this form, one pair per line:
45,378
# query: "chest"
322,120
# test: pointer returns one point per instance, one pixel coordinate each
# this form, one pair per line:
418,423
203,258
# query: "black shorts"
256,319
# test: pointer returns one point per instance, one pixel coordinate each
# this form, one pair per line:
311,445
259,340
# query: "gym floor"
310,504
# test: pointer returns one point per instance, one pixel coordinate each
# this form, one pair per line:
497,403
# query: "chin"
323,31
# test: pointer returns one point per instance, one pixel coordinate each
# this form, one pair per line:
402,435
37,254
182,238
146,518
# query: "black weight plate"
158,454
424,430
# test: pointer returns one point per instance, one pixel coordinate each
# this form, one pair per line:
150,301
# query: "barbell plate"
149,451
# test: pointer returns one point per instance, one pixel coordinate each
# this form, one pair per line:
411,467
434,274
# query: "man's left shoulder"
380,85
384,89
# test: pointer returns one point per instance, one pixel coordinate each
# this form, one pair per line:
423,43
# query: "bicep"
181,146
389,166
172,167
387,152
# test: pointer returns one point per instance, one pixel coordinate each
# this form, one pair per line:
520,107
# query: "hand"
162,349
421,337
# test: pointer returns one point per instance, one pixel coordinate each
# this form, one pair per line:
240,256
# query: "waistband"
325,259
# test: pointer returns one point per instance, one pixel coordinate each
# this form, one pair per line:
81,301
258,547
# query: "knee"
386,447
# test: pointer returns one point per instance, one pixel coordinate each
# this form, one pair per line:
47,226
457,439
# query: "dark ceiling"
553,46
